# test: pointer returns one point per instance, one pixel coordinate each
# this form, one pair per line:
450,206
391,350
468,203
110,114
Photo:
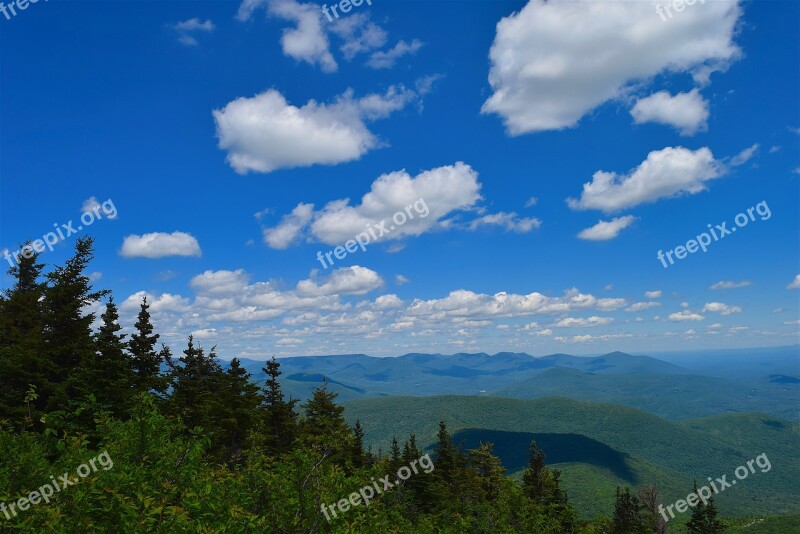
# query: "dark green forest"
200,447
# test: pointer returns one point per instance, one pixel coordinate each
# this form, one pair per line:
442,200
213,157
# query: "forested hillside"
186,445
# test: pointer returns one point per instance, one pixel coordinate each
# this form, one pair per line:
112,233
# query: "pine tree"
280,418
241,400
23,363
446,456
628,518
358,455
704,518
68,339
146,361
324,426
108,374
489,469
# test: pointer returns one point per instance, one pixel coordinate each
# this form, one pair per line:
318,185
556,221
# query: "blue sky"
236,141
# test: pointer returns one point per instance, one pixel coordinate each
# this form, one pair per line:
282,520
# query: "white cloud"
165,302
795,284
687,112
388,302
187,27
360,35
555,61
721,308
464,303
685,315
265,132
605,230
730,285
307,41
511,222
665,173
289,341
792,322
400,280
281,236
582,322
220,283
91,205
744,156
443,190
386,59
641,306
355,280
653,294
160,245
531,202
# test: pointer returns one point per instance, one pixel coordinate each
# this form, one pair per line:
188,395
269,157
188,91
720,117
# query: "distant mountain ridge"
642,382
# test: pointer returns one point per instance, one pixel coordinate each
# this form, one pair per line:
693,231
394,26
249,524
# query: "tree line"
202,448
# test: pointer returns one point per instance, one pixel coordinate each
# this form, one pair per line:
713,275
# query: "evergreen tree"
358,455
324,426
280,418
704,518
489,469
68,339
23,363
108,374
628,518
241,400
146,361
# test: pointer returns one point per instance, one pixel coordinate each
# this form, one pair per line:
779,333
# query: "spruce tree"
146,361
23,363
628,518
68,339
280,418
704,518
108,374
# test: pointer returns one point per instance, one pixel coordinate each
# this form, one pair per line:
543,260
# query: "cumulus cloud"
160,245
464,303
401,280
555,61
605,230
355,280
511,222
435,199
308,39
687,112
582,322
795,284
186,28
722,309
665,173
730,285
641,306
685,315
291,225
265,132
386,59
653,294
165,302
